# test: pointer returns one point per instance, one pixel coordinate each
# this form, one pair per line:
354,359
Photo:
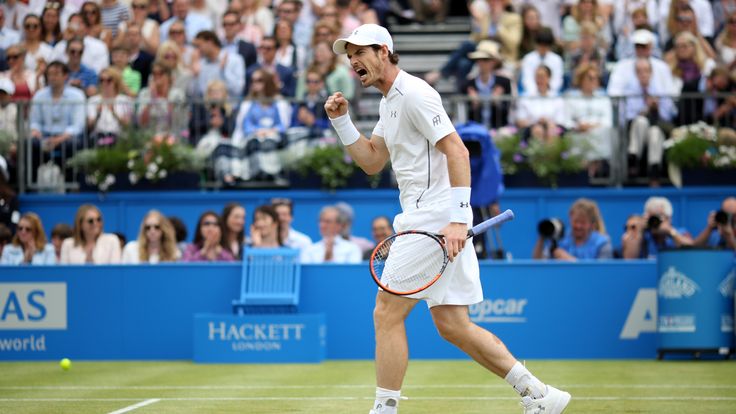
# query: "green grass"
457,387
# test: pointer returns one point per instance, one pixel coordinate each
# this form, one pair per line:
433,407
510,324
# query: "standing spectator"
192,23
233,42
332,248
15,11
291,238
656,233
208,244
586,240
92,16
381,229
590,115
80,75
25,81
161,106
59,232
542,55
337,76
110,112
541,113
88,244
233,230
283,75
51,26
37,52
57,118
265,232
113,13
649,112
150,35
29,244
720,228
218,63
156,242
485,89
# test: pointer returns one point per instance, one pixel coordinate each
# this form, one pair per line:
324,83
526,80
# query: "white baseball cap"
365,35
642,37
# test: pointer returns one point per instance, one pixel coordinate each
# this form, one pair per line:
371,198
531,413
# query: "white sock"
387,401
524,382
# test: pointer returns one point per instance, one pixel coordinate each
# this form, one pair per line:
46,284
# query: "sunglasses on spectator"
12,57
257,80
209,223
267,47
152,227
75,51
31,26
22,229
230,23
94,220
140,6
90,11
630,227
105,80
314,81
176,32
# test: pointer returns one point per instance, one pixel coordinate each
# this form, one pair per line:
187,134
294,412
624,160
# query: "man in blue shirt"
218,63
586,240
658,232
719,232
80,75
57,117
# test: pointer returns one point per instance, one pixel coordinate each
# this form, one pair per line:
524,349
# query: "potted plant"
701,154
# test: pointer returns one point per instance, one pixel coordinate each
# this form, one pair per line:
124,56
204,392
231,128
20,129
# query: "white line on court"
428,398
351,386
136,406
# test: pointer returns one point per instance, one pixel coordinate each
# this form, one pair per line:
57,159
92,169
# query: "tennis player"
433,171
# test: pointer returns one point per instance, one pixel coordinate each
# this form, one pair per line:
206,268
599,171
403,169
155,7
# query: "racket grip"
491,222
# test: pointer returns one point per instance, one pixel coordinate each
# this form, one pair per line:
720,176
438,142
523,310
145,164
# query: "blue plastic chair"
270,281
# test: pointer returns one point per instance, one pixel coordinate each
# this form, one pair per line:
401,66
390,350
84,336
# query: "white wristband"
347,132
460,204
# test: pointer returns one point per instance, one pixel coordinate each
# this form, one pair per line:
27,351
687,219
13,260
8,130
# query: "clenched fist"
336,105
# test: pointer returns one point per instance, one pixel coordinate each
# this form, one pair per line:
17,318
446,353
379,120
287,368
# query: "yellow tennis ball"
65,364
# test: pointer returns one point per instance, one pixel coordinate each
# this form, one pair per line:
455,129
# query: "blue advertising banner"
260,338
695,300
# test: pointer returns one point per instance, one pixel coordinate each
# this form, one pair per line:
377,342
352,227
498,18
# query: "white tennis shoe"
554,402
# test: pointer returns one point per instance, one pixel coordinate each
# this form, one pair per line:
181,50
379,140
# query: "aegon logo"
676,285
726,285
32,306
642,316
499,310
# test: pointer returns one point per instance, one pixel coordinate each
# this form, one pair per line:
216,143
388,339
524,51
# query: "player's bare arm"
372,154
458,166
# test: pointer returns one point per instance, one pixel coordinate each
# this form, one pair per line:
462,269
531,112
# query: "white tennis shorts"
460,283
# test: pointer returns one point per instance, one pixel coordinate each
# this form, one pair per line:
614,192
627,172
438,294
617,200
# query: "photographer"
654,232
721,226
586,240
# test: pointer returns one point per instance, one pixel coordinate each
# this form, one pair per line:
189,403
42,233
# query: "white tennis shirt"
412,120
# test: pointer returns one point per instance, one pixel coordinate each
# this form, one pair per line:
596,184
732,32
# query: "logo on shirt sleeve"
437,120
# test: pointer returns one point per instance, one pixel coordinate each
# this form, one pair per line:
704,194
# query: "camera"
551,228
653,223
723,218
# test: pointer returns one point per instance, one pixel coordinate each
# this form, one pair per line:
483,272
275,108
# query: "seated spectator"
92,16
656,233
51,23
218,63
59,232
694,16
717,106
309,112
541,114
688,61
624,70
189,54
6,236
180,233
162,107
587,53
37,53
110,112
283,75
625,48
208,245
345,219
80,75
332,248
169,55
585,11
649,112
337,76
233,229
484,89
156,242
291,238
131,78
9,35
212,120
25,81
381,229
725,43
140,60
623,22
720,228
96,54
149,28
57,118
191,23
233,42
265,232
257,19
112,14
587,238
542,55
88,244
287,52
531,25
590,115
29,245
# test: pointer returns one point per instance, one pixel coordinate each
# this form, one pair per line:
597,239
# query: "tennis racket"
411,261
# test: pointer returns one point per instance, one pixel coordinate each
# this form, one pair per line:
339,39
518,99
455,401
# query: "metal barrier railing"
43,167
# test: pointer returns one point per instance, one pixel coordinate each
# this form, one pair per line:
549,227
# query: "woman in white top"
149,27
88,244
726,42
29,246
109,112
156,242
541,114
38,53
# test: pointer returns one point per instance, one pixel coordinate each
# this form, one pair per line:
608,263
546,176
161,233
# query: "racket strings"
409,261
